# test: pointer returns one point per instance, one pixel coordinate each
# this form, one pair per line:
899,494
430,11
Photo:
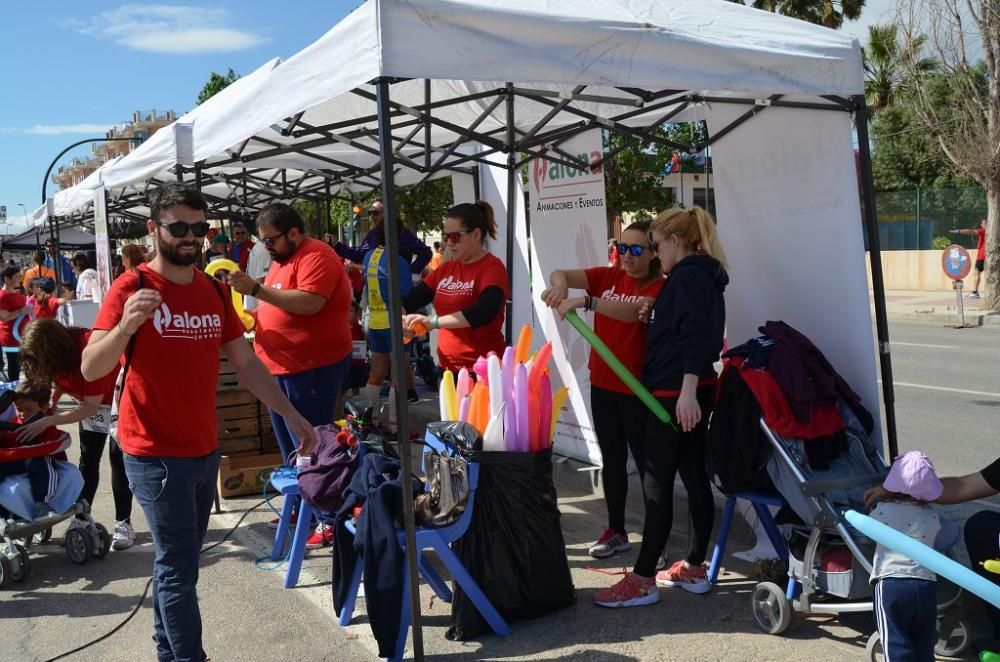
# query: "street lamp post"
25,209
53,226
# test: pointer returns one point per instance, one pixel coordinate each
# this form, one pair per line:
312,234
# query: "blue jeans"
313,393
176,494
906,616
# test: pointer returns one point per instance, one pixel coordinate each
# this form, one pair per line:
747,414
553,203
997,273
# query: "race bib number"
99,422
360,350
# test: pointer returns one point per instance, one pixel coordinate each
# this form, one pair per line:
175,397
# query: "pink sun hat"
913,474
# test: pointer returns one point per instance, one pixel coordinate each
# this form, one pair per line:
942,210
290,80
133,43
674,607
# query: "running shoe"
611,542
631,591
322,536
693,580
277,520
123,536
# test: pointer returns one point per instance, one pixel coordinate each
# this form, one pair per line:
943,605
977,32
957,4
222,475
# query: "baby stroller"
19,530
829,563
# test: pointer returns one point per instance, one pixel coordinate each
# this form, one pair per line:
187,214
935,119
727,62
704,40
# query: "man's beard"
171,253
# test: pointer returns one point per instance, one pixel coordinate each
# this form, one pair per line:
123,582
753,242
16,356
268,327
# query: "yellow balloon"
231,266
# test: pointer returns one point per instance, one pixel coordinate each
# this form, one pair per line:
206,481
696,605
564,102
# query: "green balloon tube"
647,398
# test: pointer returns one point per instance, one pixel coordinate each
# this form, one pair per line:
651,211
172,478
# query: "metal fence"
913,220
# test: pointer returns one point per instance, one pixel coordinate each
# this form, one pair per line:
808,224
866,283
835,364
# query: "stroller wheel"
101,550
78,545
21,567
42,537
771,609
954,643
5,571
873,649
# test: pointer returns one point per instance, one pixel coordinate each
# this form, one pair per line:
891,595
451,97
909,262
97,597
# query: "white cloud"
172,29
58,129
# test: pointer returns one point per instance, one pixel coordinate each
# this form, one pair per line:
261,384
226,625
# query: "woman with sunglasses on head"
469,292
683,341
618,413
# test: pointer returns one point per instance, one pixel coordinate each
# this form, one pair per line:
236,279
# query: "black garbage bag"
457,434
514,547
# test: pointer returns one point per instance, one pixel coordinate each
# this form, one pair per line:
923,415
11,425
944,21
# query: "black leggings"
619,421
981,532
91,451
13,361
667,452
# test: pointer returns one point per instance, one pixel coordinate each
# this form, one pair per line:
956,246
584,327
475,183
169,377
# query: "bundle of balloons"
510,401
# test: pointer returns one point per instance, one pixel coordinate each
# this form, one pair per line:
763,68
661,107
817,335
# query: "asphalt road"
947,393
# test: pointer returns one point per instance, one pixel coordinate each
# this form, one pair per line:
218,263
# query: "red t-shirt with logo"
76,386
456,287
288,343
46,309
10,302
168,404
628,338
981,248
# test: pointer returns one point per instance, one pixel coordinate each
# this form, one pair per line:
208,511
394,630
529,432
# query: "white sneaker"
123,536
974,295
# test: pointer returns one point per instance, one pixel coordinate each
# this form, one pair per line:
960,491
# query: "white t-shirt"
257,266
86,285
915,520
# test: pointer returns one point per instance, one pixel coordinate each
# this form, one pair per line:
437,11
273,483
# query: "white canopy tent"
407,90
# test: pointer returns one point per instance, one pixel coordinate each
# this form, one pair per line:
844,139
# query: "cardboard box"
243,474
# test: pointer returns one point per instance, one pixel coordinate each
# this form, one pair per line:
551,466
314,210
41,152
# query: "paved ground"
249,616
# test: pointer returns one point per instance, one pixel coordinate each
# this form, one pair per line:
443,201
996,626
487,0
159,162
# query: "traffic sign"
3,213
956,262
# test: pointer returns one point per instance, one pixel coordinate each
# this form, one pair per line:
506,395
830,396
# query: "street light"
21,205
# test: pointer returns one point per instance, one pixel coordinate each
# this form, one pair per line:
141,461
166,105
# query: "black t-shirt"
991,475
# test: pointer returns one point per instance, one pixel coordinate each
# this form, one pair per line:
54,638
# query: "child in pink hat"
905,591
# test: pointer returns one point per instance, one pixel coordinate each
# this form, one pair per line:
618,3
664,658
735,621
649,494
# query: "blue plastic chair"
760,502
439,540
288,485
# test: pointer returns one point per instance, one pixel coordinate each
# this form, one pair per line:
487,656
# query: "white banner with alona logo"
567,216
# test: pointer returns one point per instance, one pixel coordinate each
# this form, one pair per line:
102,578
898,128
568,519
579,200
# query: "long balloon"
495,382
510,441
558,399
493,437
925,556
231,266
521,407
539,366
634,384
463,409
523,346
463,385
448,396
544,412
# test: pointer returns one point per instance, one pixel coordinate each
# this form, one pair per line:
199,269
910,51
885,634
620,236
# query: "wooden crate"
241,474
242,422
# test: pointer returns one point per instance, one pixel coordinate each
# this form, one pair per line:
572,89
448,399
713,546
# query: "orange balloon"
481,397
523,346
538,367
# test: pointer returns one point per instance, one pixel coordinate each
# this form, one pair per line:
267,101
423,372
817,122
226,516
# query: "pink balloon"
463,386
544,413
481,370
521,408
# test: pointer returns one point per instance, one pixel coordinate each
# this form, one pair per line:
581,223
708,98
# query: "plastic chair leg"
347,611
720,544
471,588
434,580
279,536
773,534
299,544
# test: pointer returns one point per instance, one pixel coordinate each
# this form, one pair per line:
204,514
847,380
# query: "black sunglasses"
634,249
179,229
269,241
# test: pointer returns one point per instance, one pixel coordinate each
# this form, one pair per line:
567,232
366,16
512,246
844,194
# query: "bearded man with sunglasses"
166,322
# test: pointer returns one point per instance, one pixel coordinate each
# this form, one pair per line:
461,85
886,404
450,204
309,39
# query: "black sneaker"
411,396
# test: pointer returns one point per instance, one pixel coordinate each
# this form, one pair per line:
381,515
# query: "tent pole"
398,356
511,212
878,283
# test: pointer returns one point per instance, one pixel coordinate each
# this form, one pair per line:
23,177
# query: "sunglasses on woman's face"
634,249
179,229
453,237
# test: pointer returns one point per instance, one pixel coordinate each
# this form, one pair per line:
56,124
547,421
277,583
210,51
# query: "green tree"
884,58
215,84
829,13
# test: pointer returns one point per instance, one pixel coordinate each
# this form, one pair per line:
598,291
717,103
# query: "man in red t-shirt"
980,232
170,320
12,304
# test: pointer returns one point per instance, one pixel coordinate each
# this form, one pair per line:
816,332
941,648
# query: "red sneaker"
322,536
274,523
631,591
691,579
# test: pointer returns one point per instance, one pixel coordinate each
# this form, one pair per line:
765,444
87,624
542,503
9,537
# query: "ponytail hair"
695,227
478,216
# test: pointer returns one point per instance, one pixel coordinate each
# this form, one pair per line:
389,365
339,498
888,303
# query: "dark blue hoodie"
687,324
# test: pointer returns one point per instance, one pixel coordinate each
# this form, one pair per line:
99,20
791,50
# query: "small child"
31,402
906,592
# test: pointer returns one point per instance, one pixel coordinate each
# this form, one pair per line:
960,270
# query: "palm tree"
829,13
885,73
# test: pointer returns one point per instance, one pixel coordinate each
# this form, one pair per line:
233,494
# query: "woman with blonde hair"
684,339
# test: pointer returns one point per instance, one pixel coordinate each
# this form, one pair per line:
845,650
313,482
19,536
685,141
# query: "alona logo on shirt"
452,286
611,295
186,325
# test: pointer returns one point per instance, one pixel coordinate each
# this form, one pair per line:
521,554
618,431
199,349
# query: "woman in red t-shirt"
51,354
469,292
618,413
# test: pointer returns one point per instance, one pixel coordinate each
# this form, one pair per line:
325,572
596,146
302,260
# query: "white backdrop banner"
101,245
568,231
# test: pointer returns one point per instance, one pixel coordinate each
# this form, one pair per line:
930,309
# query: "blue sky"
73,69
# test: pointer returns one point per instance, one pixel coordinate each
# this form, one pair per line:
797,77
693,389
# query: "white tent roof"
469,46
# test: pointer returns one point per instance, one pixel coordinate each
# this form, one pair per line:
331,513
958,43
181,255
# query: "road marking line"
917,344
949,390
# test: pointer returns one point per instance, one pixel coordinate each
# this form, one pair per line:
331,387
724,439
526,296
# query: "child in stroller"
37,459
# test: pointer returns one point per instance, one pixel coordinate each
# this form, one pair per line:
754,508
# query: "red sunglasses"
454,237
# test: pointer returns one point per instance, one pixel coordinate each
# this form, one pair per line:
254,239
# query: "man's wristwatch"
255,290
